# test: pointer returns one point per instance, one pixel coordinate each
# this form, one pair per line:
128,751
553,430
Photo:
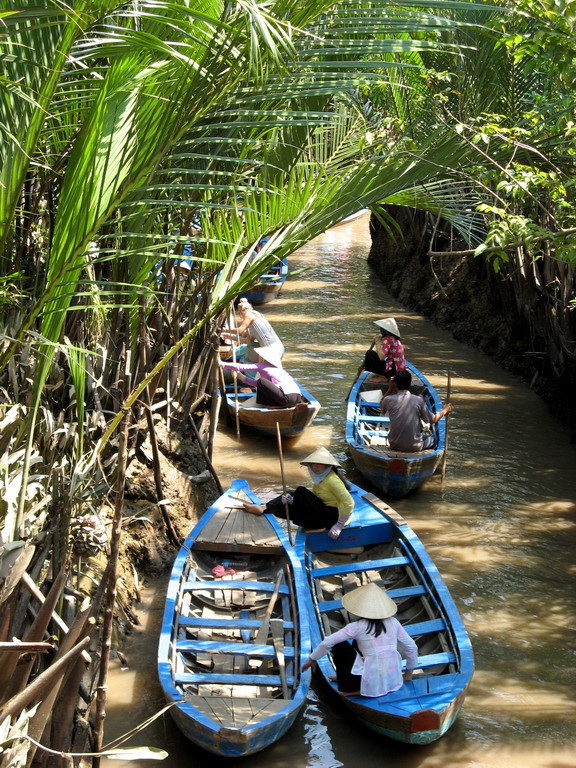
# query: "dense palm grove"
136,135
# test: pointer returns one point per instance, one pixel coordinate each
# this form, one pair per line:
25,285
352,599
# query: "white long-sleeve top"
380,664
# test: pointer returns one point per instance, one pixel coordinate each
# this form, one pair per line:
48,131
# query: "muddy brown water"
501,529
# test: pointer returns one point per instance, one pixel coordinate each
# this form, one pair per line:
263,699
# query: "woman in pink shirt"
374,667
386,356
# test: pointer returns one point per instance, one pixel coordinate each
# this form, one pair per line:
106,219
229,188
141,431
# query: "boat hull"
291,421
378,545
269,287
232,643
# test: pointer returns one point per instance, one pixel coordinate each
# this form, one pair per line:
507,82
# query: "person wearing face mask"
327,506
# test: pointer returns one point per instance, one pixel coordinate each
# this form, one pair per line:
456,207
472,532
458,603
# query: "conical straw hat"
270,355
370,602
321,456
388,324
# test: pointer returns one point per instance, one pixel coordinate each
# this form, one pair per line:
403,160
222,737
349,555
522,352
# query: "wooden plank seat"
366,565
214,623
192,678
235,648
258,586
433,660
395,594
425,627
375,419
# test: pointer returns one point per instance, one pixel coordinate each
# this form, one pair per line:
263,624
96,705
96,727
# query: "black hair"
403,379
375,627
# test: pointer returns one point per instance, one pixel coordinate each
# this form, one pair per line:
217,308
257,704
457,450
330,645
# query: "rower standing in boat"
386,356
374,667
274,385
407,412
327,506
255,330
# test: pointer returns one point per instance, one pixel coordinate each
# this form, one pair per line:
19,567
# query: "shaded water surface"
501,529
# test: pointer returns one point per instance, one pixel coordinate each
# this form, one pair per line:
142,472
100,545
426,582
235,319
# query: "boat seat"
395,594
425,627
191,678
434,660
375,419
215,623
235,648
258,586
365,565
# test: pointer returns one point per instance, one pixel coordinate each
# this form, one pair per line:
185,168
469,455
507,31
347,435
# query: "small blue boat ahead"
234,634
379,546
269,284
395,473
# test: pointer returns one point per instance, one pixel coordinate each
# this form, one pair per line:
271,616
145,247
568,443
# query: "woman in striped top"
255,330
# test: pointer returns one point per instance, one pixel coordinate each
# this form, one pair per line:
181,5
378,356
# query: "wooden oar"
360,369
286,506
448,387
236,403
278,640
262,633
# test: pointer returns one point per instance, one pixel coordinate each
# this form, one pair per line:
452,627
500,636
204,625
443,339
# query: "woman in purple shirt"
274,385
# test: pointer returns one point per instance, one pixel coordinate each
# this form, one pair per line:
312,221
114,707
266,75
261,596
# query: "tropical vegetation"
137,137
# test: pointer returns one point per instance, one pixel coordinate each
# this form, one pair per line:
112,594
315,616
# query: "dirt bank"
518,323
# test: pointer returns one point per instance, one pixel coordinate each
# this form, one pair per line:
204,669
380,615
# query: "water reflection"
501,528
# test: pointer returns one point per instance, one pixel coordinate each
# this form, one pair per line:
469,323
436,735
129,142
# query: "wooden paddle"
286,506
448,387
278,640
262,633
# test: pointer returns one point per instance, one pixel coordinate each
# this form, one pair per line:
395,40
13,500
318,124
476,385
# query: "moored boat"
269,284
234,634
379,546
292,421
394,472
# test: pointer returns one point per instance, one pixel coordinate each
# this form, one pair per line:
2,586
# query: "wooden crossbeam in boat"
425,627
395,594
216,623
194,678
258,586
364,565
434,660
237,649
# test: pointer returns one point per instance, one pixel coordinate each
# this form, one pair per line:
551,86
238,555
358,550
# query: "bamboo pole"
448,389
205,454
100,714
236,403
281,457
360,369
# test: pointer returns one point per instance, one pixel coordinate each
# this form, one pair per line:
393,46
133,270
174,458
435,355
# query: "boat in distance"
292,421
379,546
234,634
269,284
395,473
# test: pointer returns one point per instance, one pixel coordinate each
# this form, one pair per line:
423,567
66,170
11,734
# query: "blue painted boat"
378,545
233,639
263,419
395,473
269,284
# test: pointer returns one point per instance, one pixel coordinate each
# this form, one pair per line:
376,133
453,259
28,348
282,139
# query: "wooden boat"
394,472
231,648
378,545
269,285
263,419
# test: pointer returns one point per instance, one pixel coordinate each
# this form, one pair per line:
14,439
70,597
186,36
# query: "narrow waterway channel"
501,529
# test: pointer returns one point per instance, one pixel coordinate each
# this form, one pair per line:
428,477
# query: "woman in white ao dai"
378,663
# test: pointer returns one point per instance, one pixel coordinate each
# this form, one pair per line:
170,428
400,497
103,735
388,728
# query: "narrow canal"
501,529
